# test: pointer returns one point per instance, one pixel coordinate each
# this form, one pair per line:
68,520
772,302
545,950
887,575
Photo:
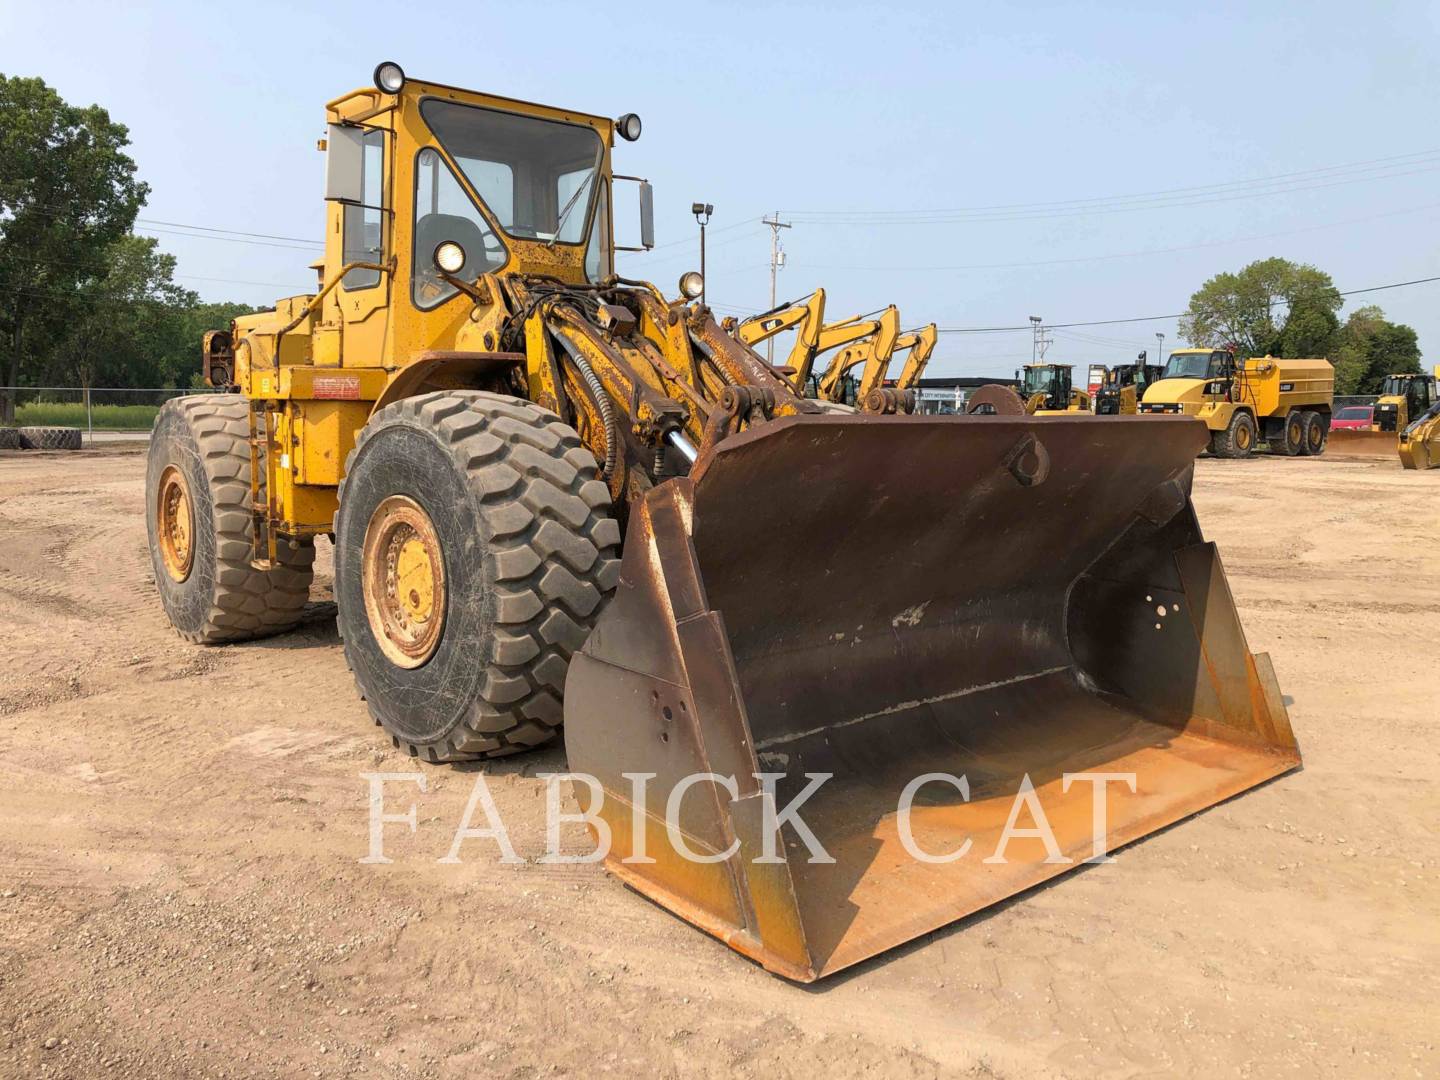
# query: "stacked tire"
48,438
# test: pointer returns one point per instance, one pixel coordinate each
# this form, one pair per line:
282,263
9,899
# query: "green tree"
1370,347
68,192
130,323
1272,306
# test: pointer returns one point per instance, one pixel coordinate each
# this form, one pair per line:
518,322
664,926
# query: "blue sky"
880,130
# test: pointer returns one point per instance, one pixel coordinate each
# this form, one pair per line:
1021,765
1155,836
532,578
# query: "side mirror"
345,164
647,215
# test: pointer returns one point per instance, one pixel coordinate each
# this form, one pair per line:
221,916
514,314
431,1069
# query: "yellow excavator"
1047,389
917,345
555,493
806,317
872,343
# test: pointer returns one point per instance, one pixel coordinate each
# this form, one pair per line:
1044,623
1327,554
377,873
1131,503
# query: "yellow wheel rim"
1242,437
403,581
175,524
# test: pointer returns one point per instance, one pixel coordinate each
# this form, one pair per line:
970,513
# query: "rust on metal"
403,581
1053,610
175,523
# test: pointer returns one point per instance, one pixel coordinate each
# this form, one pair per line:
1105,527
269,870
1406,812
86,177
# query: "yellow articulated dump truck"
557,494
1284,403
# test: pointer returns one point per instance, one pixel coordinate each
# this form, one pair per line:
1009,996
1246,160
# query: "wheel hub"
403,576
175,524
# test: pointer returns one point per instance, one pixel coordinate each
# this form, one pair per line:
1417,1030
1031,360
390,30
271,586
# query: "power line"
232,232
1151,318
1373,164
1131,254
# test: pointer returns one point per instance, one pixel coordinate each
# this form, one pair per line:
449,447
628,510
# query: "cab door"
360,221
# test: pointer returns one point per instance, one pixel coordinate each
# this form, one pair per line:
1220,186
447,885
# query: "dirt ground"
181,892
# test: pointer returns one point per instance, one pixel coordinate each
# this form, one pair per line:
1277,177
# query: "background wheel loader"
1419,443
1403,399
1049,388
477,409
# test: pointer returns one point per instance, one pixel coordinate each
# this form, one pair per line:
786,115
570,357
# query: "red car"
1354,418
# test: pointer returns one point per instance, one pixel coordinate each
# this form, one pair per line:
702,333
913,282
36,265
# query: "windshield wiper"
560,225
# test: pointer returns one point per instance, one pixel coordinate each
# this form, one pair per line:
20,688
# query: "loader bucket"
1010,600
1361,445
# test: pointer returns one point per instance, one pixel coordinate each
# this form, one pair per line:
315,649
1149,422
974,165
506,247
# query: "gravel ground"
181,892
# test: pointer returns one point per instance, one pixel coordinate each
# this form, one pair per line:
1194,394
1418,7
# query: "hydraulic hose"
602,403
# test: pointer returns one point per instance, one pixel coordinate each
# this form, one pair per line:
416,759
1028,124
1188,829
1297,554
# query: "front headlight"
389,77
692,285
449,256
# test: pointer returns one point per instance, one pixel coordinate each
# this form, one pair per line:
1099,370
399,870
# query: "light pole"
702,212
1159,347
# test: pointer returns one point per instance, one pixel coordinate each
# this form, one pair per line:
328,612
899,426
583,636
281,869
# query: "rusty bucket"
1007,600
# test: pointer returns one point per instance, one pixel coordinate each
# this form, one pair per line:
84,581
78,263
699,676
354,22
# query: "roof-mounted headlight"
389,77
628,126
692,285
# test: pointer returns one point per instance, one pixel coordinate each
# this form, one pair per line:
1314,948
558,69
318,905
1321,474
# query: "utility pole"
777,262
1040,340
1160,348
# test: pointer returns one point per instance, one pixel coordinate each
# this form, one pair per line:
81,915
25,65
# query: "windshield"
1037,380
1195,365
537,177
1394,386
1354,412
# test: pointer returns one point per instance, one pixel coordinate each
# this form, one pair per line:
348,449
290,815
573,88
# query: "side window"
444,212
364,224
596,253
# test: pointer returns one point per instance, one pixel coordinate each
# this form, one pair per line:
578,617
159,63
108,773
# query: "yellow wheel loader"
1403,399
1047,389
1284,403
1419,443
477,408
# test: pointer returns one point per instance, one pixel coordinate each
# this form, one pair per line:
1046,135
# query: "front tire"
1238,439
197,514
474,550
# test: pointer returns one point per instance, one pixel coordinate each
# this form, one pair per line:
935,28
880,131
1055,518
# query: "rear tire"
1292,437
197,514
474,551
1317,434
1237,440
9,438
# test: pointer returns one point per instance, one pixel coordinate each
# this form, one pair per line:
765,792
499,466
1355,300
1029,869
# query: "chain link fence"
102,413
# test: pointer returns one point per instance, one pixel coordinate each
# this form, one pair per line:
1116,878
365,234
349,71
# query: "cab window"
363,227
597,265
443,211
